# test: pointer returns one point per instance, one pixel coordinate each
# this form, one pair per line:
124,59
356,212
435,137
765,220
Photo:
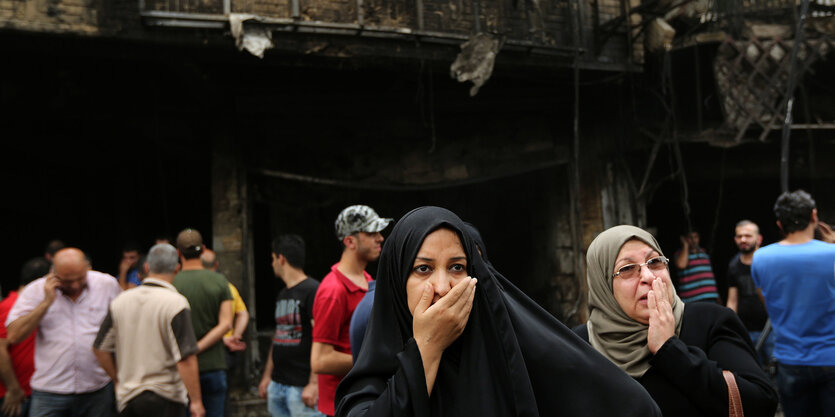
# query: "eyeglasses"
630,271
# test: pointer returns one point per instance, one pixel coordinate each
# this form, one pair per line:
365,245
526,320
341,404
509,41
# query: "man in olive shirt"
211,315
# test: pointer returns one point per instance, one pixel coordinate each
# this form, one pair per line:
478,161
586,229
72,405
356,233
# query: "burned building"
541,122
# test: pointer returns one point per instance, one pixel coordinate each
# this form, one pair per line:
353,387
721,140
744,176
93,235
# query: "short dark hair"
794,210
131,246
54,246
163,236
746,222
192,252
292,247
140,267
32,270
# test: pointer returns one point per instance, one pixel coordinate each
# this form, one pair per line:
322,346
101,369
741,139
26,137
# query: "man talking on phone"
66,308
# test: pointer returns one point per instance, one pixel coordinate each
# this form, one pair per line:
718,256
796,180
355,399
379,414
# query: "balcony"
536,28
731,15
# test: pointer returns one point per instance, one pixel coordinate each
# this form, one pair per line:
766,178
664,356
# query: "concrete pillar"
231,240
228,203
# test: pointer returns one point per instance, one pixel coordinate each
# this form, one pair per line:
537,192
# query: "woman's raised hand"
437,325
662,322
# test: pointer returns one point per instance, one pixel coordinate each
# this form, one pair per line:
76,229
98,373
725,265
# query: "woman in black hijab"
501,354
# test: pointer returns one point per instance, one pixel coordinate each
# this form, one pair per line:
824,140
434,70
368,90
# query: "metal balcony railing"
543,24
730,14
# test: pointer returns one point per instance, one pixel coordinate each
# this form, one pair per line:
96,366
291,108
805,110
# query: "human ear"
350,242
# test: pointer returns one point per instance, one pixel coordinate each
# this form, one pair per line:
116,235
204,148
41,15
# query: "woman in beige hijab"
676,351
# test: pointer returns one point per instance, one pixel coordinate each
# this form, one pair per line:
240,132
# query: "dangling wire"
809,138
669,89
576,214
715,227
784,145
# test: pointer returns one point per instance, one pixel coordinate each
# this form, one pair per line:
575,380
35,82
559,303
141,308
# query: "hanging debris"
253,37
659,36
475,62
752,78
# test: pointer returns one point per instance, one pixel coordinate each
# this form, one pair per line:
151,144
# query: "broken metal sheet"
476,60
255,38
659,36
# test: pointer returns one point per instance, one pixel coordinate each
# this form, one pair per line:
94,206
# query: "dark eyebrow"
458,258
424,259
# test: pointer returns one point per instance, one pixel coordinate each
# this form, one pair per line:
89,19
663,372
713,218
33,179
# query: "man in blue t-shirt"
797,279
359,320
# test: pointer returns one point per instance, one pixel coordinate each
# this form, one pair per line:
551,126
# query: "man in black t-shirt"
742,293
288,384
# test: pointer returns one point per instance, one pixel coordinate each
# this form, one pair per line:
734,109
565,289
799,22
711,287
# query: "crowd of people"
439,332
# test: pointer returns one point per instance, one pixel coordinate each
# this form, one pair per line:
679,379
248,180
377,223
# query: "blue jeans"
286,401
767,352
99,403
806,391
213,389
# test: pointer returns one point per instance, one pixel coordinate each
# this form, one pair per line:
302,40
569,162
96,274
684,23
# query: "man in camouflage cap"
358,228
359,218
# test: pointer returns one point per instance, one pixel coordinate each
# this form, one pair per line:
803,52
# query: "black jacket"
685,376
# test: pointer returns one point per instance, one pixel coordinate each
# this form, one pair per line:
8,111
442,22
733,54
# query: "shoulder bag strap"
734,400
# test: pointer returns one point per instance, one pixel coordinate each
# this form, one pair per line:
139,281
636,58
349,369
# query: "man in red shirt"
358,228
17,361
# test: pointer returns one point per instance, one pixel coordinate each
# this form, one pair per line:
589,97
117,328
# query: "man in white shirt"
66,307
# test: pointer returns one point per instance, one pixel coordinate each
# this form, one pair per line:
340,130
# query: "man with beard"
742,293
358,228
65,308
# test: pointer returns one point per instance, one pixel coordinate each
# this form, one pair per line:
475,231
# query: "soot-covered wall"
522,219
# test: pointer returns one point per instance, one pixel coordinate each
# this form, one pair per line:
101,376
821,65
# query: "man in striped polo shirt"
695,276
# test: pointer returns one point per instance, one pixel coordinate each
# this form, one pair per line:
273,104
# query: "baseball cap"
359,218
190,239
